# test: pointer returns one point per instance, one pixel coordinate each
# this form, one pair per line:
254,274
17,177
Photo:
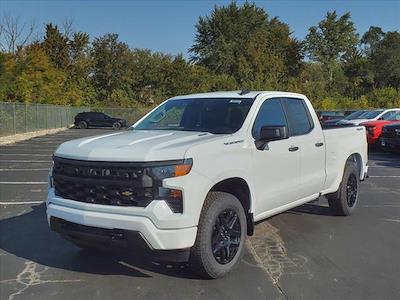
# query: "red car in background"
374,128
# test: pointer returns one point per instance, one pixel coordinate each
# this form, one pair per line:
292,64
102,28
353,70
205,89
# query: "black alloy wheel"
351,190
226,236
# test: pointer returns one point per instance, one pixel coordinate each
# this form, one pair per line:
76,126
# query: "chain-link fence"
20,118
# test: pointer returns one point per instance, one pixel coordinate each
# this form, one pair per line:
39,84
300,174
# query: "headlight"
169,171
51,180
173,197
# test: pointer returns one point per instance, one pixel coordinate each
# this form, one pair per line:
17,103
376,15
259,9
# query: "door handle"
320,144
293,148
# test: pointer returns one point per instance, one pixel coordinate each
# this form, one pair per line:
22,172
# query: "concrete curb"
11,139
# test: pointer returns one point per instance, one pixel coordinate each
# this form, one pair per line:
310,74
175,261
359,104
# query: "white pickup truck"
196,172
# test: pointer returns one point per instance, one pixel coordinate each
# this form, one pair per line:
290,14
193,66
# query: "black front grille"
102,183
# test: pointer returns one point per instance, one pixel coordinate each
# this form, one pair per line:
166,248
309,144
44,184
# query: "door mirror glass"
273,133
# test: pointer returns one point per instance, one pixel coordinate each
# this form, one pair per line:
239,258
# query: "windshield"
371,114
215,115
355,115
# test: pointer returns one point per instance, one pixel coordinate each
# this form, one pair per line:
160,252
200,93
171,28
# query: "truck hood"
134,145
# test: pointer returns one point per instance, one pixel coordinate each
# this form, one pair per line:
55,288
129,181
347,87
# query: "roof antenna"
244,92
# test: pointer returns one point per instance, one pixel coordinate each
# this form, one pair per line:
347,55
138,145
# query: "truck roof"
235,94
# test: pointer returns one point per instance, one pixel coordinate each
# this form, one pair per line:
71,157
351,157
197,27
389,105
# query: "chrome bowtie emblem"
127,193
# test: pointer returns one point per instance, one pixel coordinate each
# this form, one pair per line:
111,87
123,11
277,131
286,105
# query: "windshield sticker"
236,101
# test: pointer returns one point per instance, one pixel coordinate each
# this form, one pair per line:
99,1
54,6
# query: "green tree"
111,66
56,46
243,42
385,61
371,39
330,40
36,79
357,69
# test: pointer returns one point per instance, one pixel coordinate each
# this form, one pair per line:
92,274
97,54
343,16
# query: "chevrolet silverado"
198,171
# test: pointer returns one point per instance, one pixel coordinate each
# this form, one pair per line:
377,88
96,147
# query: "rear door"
98,119
308,137
276,168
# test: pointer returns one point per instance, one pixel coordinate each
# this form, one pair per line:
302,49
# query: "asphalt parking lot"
305,253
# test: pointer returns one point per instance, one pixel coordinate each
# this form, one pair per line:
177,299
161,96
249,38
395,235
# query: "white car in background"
373,115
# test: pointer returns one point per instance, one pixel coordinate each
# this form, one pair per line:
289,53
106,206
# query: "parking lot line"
17,170
23,154
20,202
25,161
23,182
392,220
377,206
384,176
388,166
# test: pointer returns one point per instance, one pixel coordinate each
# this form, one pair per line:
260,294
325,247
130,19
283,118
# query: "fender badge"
234,142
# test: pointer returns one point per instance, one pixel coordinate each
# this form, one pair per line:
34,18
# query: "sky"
169,26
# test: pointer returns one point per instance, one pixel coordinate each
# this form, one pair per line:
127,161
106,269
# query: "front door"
276,167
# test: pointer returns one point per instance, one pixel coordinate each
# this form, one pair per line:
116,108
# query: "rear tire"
83,125
117,125
221,236
344,201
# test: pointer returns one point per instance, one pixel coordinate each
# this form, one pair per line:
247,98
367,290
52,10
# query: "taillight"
371,130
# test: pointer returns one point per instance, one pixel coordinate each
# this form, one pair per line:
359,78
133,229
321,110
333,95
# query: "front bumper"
96,216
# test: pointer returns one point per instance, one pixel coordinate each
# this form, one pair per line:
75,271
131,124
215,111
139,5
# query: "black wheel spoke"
351,190
226,236
232,221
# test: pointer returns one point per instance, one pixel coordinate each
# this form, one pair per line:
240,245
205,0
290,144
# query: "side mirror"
271,133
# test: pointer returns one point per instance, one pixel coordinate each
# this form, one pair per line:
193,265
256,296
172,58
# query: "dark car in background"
390,137
331,118
325,116
85,120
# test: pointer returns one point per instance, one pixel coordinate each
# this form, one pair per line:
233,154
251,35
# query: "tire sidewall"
117,125
351,168
83,125
225,201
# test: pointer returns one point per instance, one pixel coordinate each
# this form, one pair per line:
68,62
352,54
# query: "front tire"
221,236
344,201
83,125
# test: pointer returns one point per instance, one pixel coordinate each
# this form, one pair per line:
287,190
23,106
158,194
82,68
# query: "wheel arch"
238,187
357,159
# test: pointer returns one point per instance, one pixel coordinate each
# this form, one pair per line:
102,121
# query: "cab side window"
271,113
299,118
389,115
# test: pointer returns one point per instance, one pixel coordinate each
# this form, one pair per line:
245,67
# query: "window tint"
270,114
389,115
299,118
98,115
395,116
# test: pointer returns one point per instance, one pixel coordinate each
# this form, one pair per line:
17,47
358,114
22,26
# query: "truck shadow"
313,209
28,236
